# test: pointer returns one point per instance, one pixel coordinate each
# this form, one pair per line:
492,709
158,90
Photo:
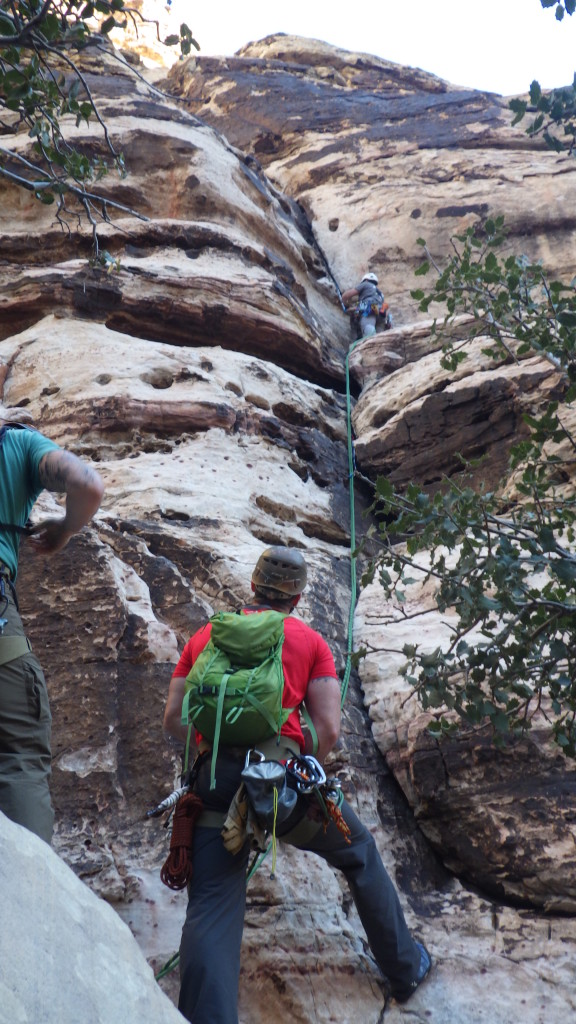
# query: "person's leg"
394,949
368,326
25,728
212,933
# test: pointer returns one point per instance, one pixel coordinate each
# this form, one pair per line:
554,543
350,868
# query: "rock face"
499,819
206,379
65,954
380,155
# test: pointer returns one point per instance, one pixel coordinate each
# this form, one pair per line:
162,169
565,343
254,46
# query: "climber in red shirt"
212,933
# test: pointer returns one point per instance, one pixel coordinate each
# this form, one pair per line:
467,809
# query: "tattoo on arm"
58,469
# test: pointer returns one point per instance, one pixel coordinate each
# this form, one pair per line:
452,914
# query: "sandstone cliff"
206,378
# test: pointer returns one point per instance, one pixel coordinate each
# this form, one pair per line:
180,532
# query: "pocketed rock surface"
205,378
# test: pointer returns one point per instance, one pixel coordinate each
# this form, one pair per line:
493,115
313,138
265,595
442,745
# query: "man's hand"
48,537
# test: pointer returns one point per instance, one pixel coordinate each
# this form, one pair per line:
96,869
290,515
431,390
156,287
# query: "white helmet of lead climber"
370,277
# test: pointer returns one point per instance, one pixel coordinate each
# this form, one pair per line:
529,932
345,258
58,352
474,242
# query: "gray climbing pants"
25,727
367,326
212,933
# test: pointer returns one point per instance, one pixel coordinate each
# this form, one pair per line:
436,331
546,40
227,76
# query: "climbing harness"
269,793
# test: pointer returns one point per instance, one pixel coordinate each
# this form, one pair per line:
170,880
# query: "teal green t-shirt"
20,454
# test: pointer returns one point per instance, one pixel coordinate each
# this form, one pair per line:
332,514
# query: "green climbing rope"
169,966
353,583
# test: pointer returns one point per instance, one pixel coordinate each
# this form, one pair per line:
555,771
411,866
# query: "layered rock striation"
205,376
380,155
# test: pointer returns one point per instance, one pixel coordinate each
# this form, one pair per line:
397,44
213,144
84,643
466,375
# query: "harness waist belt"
211,819
271,748
12,647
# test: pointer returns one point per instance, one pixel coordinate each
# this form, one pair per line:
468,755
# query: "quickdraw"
307,771
311,778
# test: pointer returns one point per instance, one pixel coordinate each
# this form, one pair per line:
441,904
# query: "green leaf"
108,25
500,722
7,27
384,488
45,197
567,317
564,569
535,93
422,269
547,539
518,108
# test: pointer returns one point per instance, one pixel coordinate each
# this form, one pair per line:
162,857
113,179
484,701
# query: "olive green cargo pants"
25,728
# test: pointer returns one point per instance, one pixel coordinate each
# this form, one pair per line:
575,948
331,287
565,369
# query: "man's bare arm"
65,473
323,705
349,295
173,710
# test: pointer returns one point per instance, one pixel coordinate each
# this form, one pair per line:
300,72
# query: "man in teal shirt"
29,463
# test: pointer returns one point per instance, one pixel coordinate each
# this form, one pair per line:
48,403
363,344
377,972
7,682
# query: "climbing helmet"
282,569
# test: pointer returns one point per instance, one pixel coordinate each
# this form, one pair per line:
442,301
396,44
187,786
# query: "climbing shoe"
402,994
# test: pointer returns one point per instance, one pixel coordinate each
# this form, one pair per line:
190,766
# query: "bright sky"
494,45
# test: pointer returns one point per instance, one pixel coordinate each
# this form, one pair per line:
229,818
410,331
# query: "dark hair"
272,596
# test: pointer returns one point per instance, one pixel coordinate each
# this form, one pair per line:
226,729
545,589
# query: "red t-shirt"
305,656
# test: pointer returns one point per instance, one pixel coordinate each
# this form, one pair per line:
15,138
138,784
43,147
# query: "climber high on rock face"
365,304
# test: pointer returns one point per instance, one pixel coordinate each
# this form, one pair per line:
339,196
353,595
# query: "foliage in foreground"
562,7
41,83
554,111
505,566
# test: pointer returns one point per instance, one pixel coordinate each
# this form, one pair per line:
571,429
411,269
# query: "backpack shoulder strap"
311,728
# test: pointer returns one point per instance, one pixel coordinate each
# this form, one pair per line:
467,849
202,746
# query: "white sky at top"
493,45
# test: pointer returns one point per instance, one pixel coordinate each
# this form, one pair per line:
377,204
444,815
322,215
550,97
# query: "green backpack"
234,689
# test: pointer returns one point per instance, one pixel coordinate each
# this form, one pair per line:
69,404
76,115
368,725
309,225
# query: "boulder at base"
66,955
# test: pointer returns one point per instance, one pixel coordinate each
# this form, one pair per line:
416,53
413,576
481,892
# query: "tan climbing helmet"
280,569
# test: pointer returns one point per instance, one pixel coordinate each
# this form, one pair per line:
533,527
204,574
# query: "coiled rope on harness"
176,871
